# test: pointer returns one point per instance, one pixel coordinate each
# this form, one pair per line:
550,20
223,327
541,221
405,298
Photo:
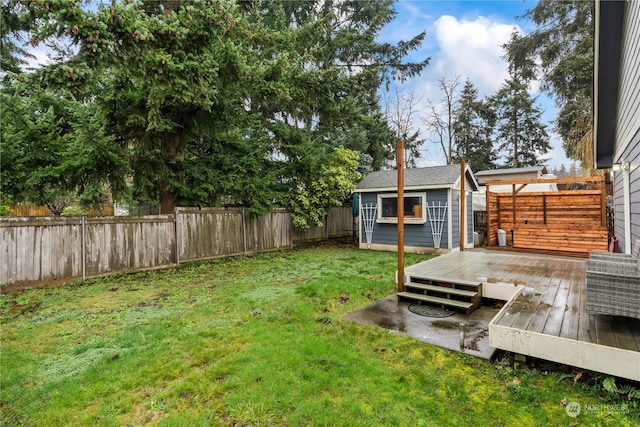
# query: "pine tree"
559,51
522,138
14,22
220,102
473,128
55,148
327,84
562,173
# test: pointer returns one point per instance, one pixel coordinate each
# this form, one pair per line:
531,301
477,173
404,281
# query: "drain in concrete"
430,310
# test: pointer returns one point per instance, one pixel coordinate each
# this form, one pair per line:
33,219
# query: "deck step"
436,300
435,279
452,292
441,289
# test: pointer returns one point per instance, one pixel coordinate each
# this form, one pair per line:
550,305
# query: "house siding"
631,155
629,102
627,140
418,235
618,208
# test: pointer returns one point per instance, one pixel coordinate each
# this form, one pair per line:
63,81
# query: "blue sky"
464,38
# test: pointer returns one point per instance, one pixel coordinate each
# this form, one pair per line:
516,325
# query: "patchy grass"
255,341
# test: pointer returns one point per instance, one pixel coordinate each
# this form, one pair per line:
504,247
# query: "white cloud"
473,49
469,48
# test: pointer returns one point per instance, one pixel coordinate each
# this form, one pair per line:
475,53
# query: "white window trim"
383,220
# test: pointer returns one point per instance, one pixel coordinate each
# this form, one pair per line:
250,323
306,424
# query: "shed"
431,208
531,172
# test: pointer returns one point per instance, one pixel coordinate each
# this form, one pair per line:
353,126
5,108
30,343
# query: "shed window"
414,208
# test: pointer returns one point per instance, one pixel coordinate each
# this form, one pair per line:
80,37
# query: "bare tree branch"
401,110
441,117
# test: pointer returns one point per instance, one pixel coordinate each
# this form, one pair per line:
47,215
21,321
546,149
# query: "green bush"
73,211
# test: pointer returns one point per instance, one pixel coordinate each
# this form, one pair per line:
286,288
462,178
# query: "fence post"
177,236
244,233
83,233
326,227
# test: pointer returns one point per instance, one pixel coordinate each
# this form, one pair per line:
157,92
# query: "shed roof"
532,169
417,178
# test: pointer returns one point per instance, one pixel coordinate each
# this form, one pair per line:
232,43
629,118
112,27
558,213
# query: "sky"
464,38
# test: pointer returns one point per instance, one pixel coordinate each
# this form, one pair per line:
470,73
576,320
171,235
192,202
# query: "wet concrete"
444,332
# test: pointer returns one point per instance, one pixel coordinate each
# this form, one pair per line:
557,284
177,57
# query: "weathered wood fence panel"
209,233
339,222
269,232
45,249
40,249
128,243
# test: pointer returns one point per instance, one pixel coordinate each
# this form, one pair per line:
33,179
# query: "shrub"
73,211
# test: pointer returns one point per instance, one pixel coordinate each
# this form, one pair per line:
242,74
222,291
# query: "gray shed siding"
435,196
455,219
469,213
414,234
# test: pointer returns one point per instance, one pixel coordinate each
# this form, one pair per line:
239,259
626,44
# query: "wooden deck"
546,317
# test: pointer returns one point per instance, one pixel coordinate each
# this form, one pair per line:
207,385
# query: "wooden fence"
32,210
47,249
568,221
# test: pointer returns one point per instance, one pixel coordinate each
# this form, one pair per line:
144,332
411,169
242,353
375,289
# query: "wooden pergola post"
400,214
602,186
487,202
463,202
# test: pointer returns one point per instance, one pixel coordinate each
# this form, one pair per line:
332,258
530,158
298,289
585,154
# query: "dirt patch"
19,309
472,344
444,324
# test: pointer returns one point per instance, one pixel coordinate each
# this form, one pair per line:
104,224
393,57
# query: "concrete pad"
444,332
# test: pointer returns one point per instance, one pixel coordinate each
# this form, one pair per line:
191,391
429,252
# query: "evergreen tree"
522,138
14,23
215,102
332,68
560,52
473,128
55,149
562,173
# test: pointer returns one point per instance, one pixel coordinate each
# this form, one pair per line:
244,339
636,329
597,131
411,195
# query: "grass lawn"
258,341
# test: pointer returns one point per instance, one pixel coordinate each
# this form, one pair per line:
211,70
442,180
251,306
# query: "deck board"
624,334
570,327
634,327
604,331
556,313
553,323
538,317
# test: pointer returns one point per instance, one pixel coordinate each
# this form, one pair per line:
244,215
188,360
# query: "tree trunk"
167,200
174,156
